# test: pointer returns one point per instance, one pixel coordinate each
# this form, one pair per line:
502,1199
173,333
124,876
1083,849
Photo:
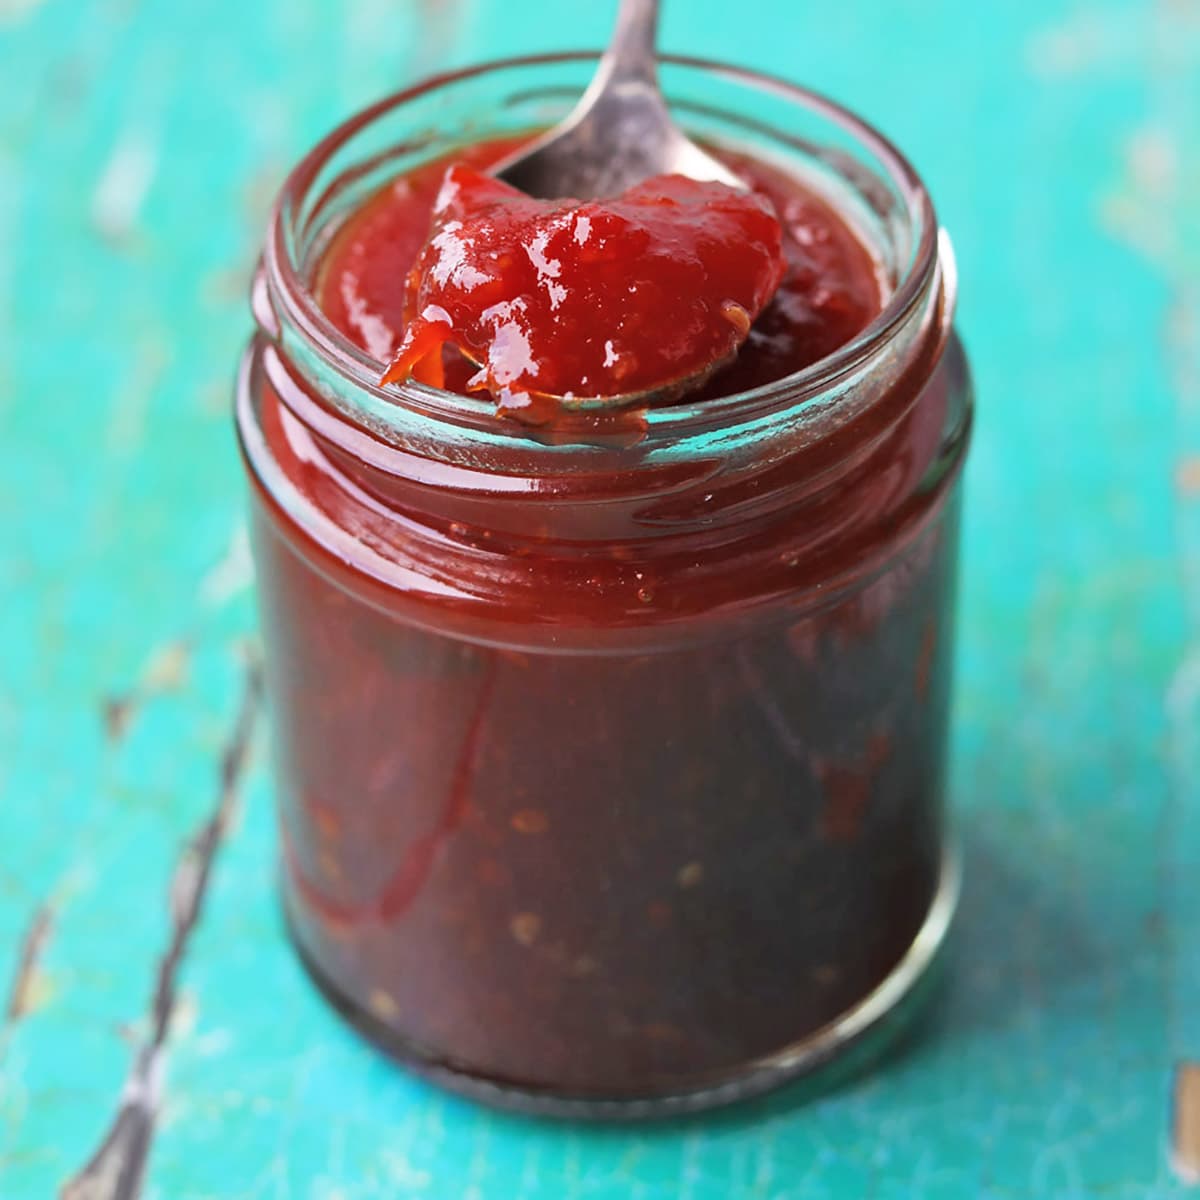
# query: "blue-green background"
140,143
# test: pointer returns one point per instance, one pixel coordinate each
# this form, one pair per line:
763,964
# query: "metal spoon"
620,132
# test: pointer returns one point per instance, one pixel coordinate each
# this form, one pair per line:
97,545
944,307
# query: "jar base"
841,1048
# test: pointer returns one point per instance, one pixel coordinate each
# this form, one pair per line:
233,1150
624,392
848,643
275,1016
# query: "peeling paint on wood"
1061,142
1185,1130
164,671
21,991
117,1169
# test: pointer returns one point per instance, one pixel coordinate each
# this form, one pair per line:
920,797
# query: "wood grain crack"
1185,1131
164,671
33,945
117,1169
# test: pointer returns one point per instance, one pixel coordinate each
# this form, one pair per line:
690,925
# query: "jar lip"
363,371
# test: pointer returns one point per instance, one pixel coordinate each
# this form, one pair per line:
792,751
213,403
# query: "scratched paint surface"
139,145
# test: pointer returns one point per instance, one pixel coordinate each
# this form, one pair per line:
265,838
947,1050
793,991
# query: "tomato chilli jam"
609,737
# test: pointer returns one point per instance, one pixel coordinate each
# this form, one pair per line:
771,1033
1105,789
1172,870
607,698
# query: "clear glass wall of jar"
610,769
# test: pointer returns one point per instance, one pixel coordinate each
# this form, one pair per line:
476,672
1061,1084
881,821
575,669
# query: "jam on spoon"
576,332
568,303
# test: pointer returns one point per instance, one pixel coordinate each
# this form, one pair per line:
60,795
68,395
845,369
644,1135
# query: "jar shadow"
1020,941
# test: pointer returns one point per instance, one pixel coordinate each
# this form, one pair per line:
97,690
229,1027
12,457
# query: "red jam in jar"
609,746
819,287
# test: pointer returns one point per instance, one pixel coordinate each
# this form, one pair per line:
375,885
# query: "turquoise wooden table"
139,147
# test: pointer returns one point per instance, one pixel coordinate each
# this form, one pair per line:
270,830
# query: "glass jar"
610,766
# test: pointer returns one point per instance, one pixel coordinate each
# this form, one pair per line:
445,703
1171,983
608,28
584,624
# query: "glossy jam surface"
607,784
648,291
616,296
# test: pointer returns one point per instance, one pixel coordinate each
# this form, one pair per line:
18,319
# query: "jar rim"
359,368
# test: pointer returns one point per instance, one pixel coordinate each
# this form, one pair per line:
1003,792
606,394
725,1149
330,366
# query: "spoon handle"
631,55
